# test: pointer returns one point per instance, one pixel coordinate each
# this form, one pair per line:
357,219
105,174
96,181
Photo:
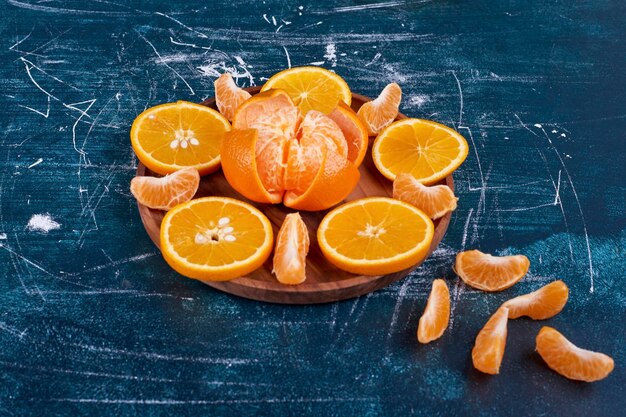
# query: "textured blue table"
93,322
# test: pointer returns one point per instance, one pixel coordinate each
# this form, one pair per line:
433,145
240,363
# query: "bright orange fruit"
166,192
546,302
490,343
353,130
292,246
228,97
381,112
178,135
427,150
490,273
563,357
434,320
215,238
435,200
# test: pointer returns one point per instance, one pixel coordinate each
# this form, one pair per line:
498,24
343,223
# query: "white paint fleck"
418,100
42,223
3,236
554,131
563,135
331,54
37,162
537,125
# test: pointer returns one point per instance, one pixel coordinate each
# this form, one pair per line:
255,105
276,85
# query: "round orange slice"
490,273
178,135
434,320
292,246
228,96
490,343
215,238
369,236
546,302
563,357
382,111
311,88
436,200
166,192
427,150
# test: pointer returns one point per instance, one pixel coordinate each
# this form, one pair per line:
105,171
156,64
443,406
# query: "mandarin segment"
436,200
382,111
166,192
434,320
490,343
490,273
546,302
228,96
292,246
570,361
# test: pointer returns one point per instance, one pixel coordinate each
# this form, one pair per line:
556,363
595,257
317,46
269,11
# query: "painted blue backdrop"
93,322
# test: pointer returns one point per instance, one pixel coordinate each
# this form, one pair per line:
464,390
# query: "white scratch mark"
37,162
288,58
375,6
143,401
376,58
42,223
458,83
12,330
200,34
318,63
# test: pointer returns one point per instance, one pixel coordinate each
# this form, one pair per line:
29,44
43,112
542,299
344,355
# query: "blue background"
92,320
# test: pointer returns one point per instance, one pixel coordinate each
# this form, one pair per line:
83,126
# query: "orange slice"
311,88
166,192
292,246
353,130
215,238
436,201
427,150
490,273
177,135
490,343
381,112
434,320
228,97
369,236
546,302
563,357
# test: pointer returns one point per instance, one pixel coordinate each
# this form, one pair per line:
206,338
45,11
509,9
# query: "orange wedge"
178,135
353,130
166,192
490,273
215,238
490,343
228,97
292,246
436,201
563,357
546,302
311,88
427,150
369,236
434,320
381,112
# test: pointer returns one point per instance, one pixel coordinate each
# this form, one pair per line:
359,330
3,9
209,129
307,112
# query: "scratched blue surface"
93,322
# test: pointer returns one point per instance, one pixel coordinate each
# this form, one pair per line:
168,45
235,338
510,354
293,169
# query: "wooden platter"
324,283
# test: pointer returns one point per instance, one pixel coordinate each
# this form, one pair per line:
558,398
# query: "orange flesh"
542,304
490,343
490,273
436,316
292,246
166,192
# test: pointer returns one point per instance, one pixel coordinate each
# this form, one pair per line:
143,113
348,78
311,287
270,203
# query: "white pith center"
217,233
183,139
372,231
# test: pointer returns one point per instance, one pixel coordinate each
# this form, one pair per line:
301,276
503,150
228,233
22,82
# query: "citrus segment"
546,302
353,130
427,150
166,192
490,343
292,246
228,97
318,129
215,238
436,201
490,273
311,88
436,316
375,236
177,135
563,357
382,111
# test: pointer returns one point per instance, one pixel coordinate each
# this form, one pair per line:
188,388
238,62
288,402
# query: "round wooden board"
324,283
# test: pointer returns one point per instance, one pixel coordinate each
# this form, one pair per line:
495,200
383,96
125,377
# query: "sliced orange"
292,246
382,111
434,320
546,302
215,238
228,97
369,236
563,357
166,192
490,343
177,135
427,150
490,273
353,130
436,201
311,88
